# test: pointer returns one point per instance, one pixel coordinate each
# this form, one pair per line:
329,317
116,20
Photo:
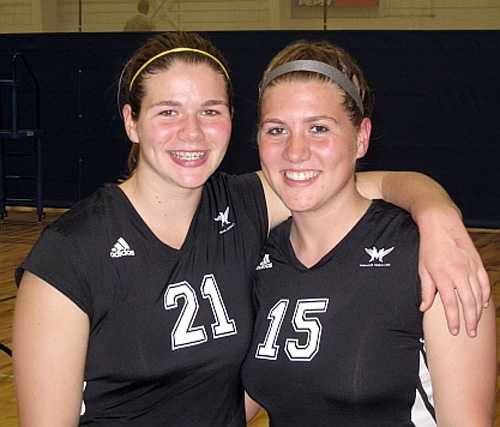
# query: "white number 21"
184,334
301,322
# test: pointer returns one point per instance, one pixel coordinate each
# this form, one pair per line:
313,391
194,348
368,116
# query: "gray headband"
316,67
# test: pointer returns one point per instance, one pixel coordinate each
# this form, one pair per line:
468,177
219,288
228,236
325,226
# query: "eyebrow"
169,103
308,119
321,117
166,104
271,120
211,102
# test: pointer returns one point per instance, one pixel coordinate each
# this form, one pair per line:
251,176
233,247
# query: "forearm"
463,371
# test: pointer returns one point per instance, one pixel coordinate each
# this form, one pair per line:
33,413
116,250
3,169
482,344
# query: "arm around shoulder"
463,370
49,351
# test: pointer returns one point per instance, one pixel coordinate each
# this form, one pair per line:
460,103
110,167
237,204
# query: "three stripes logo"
120,249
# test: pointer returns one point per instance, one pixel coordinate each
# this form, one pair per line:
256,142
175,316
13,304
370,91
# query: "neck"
315,233
166,209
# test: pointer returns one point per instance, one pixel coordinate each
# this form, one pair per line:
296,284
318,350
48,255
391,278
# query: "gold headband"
178,49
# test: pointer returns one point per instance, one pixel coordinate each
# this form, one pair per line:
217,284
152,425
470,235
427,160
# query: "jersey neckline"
335,252
139,222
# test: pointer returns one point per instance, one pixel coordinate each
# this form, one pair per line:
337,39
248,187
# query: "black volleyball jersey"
169,329
340,343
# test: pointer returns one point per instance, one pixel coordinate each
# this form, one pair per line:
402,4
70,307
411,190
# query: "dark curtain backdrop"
436,107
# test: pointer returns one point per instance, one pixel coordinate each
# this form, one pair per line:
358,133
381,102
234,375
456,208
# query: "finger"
466,297
428,290
484,281
451,310
478,295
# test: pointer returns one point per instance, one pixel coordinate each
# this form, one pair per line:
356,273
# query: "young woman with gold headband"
338,338
135,307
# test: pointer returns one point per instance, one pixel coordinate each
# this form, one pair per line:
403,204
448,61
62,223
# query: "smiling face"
184,125
308,144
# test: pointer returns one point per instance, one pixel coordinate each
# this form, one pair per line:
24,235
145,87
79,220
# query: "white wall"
17,16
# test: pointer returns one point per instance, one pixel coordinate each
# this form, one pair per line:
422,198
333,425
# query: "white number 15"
301,322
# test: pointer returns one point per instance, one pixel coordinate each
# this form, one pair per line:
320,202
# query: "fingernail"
472,333
454,331
486,304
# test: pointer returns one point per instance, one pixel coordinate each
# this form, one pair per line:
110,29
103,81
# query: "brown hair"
161,43
330,54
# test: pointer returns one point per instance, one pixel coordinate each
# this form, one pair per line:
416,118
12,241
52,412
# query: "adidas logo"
265,263
121,248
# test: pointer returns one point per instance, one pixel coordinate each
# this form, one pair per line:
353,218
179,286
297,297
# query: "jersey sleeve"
55,259
411,239
251,194
405,265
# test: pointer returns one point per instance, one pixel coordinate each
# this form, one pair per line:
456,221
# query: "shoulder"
89,214
388,240
69,251
389,226
386,218
239,198
243,192
75,234
244,182
389,258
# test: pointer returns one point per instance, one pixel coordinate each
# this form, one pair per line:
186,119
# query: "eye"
209,112
275,131
168,113
319,129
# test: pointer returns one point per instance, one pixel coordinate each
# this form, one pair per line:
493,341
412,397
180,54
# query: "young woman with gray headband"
338,338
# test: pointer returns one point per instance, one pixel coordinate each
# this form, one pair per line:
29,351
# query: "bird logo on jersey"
223,218
377,255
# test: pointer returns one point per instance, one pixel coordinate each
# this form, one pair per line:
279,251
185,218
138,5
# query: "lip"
189,158
300,177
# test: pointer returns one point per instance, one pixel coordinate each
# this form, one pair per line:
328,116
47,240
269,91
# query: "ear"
130,124
363,138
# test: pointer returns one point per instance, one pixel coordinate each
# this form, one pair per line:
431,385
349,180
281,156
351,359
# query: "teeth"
301,175
188,155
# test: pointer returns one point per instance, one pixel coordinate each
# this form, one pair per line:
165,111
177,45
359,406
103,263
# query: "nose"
297,149
191,130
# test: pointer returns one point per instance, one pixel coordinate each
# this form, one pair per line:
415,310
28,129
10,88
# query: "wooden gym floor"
20,229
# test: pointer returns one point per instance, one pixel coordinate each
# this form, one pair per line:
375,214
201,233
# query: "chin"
192,181
298,205
194,178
